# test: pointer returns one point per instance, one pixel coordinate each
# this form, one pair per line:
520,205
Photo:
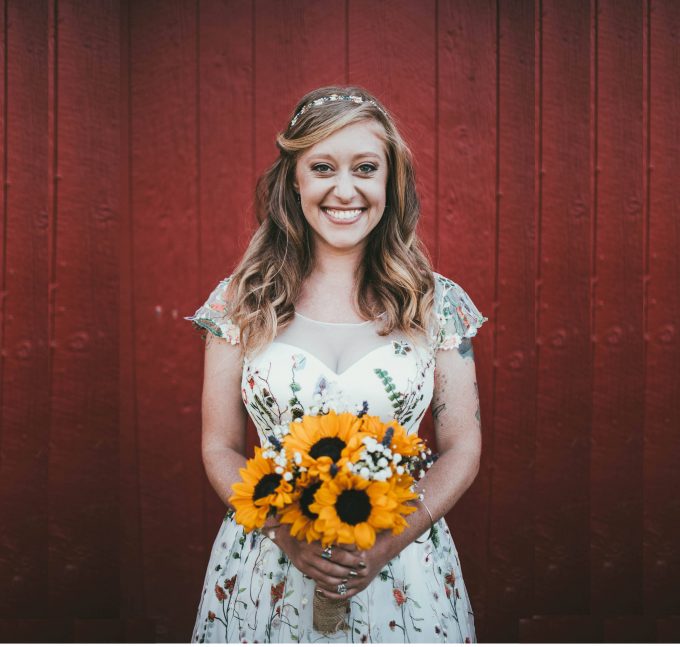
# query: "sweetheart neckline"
321,362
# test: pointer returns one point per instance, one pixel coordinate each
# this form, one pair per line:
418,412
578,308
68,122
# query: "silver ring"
353,573
342,588
327,552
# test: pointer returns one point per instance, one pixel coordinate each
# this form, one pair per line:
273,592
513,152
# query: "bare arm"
457,424
223,438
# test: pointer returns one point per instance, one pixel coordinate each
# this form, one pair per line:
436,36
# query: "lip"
344,220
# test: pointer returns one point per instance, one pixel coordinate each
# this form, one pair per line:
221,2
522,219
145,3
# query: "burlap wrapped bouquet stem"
329,615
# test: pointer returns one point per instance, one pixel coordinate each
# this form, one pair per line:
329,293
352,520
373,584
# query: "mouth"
343,216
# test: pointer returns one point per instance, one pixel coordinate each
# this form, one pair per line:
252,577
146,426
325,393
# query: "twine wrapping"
329,615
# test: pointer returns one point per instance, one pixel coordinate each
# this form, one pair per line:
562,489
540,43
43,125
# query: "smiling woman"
342,192
334,309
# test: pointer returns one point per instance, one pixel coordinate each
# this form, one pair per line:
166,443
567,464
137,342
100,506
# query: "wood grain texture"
661,456
618,387
510,569
133,592
164,213
466,162
25,434
561,473
83,516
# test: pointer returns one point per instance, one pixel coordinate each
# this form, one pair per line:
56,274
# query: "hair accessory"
355,98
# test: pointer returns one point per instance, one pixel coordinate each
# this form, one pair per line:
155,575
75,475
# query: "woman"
334,304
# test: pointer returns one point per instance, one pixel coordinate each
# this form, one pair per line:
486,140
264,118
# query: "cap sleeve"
457,317
213,315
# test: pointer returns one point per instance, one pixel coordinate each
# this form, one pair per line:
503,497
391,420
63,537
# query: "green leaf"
295,387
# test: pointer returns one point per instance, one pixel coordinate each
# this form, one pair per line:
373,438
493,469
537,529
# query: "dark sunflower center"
331,447
353,506
266,486
307,498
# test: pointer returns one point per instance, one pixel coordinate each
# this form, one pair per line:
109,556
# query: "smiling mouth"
343,215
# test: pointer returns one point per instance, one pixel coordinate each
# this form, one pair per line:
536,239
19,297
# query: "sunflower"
301,519
351,508
262,488
321,441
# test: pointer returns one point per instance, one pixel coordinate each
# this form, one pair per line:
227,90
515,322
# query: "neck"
337,263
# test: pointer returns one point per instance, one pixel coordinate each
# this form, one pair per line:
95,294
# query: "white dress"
252,592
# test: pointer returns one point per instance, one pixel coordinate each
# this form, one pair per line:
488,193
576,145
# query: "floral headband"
355,98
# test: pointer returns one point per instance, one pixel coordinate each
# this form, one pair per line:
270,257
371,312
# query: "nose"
344,186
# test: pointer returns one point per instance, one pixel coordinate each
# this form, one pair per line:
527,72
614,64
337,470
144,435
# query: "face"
342,182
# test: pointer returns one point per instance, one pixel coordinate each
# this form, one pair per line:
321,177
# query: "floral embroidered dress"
252,592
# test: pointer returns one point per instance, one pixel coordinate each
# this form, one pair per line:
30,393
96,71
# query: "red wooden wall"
547,141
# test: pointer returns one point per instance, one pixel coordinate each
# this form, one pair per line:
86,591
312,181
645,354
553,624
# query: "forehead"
365,136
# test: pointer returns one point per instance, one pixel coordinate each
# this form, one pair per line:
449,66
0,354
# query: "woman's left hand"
374,558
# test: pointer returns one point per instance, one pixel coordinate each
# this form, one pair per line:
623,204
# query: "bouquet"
334,478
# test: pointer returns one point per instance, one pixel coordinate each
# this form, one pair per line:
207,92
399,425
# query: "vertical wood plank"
618,387
25,355
227,181
561,474
511,531
83,515
165,246
466,172
139,628
662,329
392,50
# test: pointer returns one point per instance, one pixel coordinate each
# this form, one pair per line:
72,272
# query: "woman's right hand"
307,558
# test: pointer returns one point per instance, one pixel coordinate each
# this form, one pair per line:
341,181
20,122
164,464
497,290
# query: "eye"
367,168
321,168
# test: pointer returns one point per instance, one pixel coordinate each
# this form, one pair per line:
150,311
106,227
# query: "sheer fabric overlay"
251,590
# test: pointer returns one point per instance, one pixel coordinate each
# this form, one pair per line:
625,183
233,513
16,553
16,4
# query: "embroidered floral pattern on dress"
457,316
252,592
212,315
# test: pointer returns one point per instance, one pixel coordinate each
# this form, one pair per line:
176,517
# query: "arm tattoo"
465,349
436,412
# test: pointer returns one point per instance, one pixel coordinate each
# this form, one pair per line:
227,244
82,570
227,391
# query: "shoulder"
456,316
213,315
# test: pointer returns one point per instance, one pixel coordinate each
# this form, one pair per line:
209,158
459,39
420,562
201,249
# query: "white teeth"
344,214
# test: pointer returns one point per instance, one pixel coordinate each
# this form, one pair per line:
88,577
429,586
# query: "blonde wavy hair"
395,270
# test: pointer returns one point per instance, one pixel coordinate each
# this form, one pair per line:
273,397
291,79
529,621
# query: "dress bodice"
313,366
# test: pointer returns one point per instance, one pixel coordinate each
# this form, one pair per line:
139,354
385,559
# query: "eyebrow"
365,154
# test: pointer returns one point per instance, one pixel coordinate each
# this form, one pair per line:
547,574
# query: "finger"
332,594
348,548
336,570
326,581
342,557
